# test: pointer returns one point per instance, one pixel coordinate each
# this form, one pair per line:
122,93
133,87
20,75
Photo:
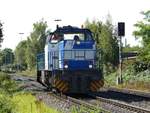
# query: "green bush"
141,66
6,84
7,87
131,78
6,104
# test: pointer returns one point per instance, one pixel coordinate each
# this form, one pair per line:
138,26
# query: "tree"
35,43
109,44
106,41
143,32
20,54
7,56
95,27
1,58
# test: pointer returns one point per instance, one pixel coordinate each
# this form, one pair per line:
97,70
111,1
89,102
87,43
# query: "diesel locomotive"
70,62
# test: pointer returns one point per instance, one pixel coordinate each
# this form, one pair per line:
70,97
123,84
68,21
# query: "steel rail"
123,105
78,102
130,91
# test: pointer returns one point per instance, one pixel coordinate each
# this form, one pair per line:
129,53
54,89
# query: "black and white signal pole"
121,33
1,33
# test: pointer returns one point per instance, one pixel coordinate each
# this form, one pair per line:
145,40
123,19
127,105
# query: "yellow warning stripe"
101,82
98,85
63,86
94,86
60,85
57,82
66,88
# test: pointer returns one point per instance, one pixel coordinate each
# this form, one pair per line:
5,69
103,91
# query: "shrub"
6,84
141,66
6,104
7,87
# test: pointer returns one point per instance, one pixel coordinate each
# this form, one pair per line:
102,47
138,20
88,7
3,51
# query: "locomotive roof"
70,29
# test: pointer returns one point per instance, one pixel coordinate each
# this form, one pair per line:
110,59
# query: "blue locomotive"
69,62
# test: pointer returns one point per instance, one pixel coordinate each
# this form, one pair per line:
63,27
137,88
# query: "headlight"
66,66
78,42
90,66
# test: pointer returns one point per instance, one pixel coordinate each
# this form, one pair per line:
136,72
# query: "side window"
81,37
88,37
55,38
48,39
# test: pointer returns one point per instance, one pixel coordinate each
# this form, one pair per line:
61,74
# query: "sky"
18,16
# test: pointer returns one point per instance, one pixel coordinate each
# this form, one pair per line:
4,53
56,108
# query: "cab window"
73,36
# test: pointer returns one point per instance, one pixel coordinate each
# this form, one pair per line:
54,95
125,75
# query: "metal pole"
57,20
20,62
20,35
121,32
119,79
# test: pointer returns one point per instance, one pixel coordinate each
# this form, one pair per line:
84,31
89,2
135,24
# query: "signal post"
121,33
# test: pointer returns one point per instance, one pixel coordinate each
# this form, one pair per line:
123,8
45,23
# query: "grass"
131,80
14,101
7,89
6,103
27,103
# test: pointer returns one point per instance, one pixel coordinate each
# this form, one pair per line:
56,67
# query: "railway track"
78,102
123,105
130,91
130,98
97,101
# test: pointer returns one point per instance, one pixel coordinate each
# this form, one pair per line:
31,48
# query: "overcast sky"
19,15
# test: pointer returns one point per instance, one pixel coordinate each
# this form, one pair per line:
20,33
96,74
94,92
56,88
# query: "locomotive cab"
70,63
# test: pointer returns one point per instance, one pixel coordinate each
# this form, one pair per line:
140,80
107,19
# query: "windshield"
74,36
54,38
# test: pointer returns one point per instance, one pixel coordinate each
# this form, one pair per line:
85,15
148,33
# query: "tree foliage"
143,32
6,56
20,53
36,43
103,33
7,89
27,50
128,48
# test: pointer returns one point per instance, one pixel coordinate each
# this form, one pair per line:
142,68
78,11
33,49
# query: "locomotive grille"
79,84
